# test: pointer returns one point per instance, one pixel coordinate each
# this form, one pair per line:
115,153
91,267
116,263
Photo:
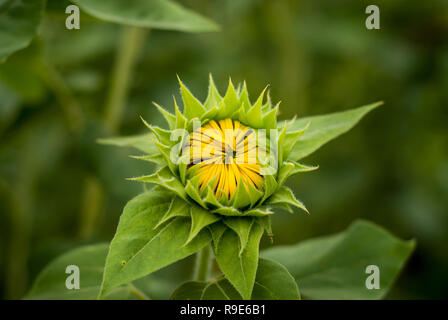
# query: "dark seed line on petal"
215,158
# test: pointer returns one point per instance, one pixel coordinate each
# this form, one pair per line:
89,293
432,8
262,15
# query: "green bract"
178,217
235,105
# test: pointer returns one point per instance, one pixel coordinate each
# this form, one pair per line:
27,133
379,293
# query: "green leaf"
138,249
265,222
232,212
169,118
162,135
270,186
287,141
239,269
200,218
284,196
177,208
242,197
18,24
165,179
242,226
210,197
181,121
192,190
254,114
291,168
230,102
142,143
270,119
213,96
190,290
217,230
157,14
220,290
273,282
165,151
214,290
157,159
11,103
262,211
193,108
244,97
334,267
324,128
50,283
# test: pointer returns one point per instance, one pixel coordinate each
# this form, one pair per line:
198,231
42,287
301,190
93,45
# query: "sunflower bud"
226,155
221,167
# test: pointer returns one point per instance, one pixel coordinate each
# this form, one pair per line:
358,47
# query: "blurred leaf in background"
18,24
159,14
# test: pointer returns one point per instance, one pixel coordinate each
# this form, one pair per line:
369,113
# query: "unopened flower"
221,169
226,155
225,161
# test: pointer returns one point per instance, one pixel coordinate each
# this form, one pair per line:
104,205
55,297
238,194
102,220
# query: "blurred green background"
59,189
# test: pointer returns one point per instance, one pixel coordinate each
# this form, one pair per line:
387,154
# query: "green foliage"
142,143
273,282
18,24
241,226
158,14
291,141
236,249
325,128
164,178
330,64
50,284
238,266
10,106
191,290
326,268
173,220
139,249
333,267
19,20
285,196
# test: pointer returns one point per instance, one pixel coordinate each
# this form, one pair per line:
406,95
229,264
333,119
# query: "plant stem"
18,242
202,268
137,293
130,45
91,206
72,110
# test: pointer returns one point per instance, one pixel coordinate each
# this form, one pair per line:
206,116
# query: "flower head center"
223,155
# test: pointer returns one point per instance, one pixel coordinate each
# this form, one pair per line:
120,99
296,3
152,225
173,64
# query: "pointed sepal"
200,219
254,116
291,168
217,230
164,178
177,208
213,96
230,102
285,196
239,269
241,226
169,117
